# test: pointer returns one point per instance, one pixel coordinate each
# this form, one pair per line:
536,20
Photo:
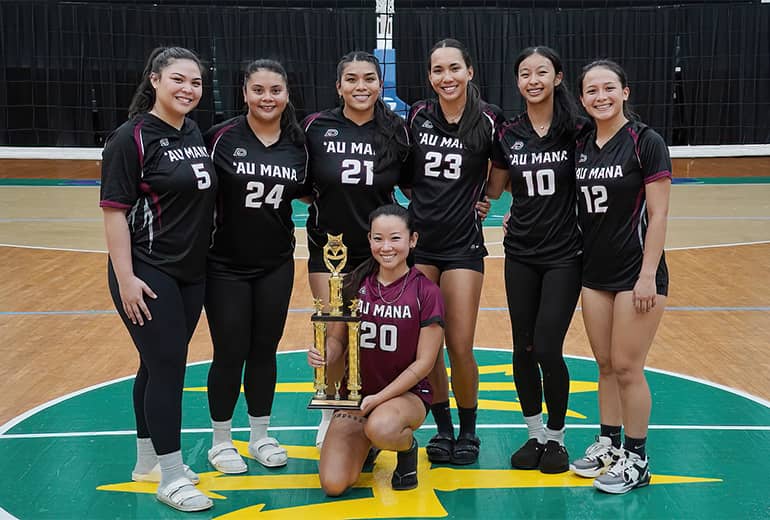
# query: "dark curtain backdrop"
699,74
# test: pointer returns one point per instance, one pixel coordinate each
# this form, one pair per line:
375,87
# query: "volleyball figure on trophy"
335,255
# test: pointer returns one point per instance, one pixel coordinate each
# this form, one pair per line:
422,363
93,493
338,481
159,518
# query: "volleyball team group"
197,220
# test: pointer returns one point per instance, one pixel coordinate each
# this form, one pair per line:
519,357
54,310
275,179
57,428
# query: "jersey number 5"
434,162
596,198
388,336
204,179
254,200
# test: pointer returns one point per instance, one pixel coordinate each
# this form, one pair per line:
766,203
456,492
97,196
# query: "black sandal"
440,447
405,475
466,449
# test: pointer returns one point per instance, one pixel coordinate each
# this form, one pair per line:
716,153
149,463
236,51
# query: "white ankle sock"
146,458
171,467
535,427
554,435
258,427
223,432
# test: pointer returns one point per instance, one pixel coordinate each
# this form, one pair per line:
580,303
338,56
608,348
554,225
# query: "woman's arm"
132,289
428,346
657,194
498,182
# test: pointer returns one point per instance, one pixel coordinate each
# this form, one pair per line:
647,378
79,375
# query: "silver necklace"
400,294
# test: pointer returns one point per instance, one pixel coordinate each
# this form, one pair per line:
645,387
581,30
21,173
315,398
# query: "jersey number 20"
388,336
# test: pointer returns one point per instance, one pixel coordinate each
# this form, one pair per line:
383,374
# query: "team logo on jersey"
362,290
427,124
518,145
583,158
332,132
164,142
239,152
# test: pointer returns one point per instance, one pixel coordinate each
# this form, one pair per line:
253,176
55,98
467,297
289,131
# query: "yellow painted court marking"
385,503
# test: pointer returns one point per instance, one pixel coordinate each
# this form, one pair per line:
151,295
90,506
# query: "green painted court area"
708,448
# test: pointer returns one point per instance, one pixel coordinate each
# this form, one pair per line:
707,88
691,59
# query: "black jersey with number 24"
612,207
253,227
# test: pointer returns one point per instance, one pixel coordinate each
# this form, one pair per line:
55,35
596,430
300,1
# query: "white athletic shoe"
598,458
630,472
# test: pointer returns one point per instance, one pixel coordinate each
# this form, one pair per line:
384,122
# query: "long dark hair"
390,142
565,108
475,131
354,279
289,124
160,58
620,73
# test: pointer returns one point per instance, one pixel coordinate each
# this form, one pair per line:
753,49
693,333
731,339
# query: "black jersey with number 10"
612,205
543,227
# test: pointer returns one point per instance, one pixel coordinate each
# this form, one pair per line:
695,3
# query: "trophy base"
333,404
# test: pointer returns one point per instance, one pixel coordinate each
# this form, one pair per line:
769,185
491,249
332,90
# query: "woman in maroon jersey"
157,193
401,332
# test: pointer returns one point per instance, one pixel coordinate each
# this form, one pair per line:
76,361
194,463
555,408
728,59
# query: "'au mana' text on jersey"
446,142
385,311
525,159
188,152
265,170
600,172
356,148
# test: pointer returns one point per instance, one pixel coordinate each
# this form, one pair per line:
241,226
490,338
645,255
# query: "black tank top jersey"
543,227
165,181
612,209
253,229
391,319
345,183
446,181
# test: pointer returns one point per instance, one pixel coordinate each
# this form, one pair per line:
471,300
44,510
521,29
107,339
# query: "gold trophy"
335,257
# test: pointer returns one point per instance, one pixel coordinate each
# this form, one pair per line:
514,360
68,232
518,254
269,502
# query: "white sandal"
268,452
226,459
179,493
154,475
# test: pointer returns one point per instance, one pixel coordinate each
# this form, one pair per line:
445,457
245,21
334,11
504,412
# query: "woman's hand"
314,358
644,293
483,207
132,293
369,403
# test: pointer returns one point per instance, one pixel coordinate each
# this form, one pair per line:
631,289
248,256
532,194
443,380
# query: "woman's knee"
335,484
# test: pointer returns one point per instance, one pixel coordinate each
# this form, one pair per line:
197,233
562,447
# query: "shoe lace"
596,450
618,468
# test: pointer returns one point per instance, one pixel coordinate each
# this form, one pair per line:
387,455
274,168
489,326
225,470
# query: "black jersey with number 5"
543,227
447,180
612,207
164,180
253,229
347,181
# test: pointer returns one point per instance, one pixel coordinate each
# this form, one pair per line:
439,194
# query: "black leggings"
541,302
162,344
246,319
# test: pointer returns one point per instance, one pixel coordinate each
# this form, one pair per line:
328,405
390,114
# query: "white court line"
29,413
503,426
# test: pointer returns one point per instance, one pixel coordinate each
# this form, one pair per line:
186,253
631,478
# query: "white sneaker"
630,472
326,419
598,457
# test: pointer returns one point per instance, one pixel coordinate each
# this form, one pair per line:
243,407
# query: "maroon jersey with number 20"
391,319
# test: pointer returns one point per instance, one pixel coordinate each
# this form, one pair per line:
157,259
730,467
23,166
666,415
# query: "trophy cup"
335,256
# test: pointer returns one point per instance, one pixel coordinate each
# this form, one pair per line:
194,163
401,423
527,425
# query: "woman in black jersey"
357,152
453,138
157,193
624,181
260,160
535,158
